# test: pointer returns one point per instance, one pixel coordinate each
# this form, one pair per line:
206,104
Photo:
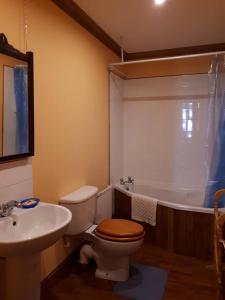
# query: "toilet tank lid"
82,194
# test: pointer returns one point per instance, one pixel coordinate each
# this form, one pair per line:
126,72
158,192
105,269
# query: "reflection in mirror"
14,106
15,113
16,102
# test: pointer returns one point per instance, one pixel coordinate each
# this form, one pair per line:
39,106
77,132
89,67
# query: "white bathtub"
180,199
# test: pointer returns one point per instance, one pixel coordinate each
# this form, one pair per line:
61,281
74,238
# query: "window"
187,119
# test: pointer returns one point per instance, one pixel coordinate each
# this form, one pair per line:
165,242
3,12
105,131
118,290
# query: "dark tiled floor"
189,278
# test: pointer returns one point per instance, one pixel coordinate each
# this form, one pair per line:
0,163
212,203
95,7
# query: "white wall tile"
154,144
16,180
15,175
16,191
167,86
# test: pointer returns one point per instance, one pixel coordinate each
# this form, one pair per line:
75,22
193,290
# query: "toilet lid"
120,228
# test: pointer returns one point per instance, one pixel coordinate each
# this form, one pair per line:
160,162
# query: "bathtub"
183,225
182,199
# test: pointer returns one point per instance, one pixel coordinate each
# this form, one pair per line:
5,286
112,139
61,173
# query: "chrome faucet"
126,183
130,179
7,207
122,182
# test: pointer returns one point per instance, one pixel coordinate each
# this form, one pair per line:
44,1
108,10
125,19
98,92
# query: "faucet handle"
122,181
130,179
12,203
7,207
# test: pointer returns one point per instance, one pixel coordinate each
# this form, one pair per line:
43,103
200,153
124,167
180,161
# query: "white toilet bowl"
112,241
111,257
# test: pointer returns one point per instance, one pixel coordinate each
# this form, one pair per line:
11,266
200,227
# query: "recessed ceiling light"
159,2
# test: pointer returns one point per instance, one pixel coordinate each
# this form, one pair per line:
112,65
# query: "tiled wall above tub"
158,130
165,126
166,88
16,180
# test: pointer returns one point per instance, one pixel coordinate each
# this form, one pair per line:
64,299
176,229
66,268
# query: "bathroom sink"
28,231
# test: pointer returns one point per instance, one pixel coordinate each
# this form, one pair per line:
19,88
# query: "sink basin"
29,231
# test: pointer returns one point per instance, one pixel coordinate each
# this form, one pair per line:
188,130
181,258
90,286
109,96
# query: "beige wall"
1,105
11,24
71,103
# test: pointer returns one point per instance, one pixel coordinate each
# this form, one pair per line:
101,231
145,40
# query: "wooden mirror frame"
9,50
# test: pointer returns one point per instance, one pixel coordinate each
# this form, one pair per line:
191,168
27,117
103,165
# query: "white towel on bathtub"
143,209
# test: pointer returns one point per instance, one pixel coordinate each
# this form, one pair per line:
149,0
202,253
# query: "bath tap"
7,207
126,183
130,179
122,181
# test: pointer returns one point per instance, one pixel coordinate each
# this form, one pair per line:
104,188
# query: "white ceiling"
144,26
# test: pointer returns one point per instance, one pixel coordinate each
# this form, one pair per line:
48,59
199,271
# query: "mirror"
16,102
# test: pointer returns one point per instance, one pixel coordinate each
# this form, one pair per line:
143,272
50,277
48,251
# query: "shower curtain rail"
165,58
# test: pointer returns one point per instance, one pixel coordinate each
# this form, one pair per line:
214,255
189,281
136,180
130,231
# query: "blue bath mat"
145,283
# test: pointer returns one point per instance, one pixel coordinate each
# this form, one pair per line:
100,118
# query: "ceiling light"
159,2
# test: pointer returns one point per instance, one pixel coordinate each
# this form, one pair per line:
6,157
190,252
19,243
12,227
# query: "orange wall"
1,104
11,13
71,103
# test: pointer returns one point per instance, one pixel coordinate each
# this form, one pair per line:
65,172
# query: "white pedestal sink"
22,236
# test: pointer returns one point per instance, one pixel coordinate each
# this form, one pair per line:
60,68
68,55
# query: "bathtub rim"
169,204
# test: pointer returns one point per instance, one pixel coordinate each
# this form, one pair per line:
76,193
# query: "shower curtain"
216,131
21,96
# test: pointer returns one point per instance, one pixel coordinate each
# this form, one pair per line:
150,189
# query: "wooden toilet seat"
120,230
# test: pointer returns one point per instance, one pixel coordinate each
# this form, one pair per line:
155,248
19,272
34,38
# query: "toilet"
110,243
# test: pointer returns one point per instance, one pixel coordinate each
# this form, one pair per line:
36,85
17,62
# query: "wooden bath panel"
182,232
